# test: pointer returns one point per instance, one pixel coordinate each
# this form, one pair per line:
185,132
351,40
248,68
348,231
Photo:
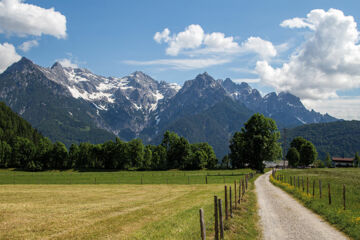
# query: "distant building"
342,162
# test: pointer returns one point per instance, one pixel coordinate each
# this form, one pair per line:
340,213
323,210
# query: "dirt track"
282,217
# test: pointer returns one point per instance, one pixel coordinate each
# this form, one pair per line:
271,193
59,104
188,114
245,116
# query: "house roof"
339,159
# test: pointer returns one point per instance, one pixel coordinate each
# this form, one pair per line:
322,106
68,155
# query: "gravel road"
282,217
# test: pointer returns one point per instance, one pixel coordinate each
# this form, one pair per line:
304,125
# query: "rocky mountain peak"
56,65
23,65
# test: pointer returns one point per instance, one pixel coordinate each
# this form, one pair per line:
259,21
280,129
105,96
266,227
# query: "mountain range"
76,105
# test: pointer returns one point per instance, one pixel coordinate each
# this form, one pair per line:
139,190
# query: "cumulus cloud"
163,36
262,47
65,62
340,107
26,46
327,61
181,64
193,40
17,17
8,56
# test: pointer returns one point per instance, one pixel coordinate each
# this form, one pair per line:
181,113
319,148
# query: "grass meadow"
84,210
347,220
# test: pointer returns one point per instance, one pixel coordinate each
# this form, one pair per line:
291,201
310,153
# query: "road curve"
282,217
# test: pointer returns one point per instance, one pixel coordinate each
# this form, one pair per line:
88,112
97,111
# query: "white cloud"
217,42
163,36
340,107
297,23
181,64
191,38
26,46
24,19
262,47
193,41
247,80
8,56
328,60
65,62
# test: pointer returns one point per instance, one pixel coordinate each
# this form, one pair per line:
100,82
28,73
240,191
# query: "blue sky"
244,40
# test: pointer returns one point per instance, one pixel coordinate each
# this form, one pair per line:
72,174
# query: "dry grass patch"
98,211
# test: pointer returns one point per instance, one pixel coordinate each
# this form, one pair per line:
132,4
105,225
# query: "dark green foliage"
327,161
319,164
225,162
257,142
307,151
293,157
5,154
297,143
356,160
340,139
237,148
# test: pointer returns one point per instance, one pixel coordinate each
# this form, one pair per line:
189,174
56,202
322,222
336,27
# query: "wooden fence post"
320,190
202,225
294,181
206,179
314,188
298,182
246,179
290,181
344,196
226,204
307,185
221,220
235,194
216,218
231,210
239,201
329,193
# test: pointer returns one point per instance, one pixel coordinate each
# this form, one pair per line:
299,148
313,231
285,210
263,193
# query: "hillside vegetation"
339,138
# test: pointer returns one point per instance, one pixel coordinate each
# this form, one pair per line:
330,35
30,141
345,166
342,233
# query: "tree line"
173,153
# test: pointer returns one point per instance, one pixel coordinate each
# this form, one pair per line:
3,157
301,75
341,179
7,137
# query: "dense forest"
21,146
340,138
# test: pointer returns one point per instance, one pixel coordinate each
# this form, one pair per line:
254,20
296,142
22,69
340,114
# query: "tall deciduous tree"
293,157
308,154
260,142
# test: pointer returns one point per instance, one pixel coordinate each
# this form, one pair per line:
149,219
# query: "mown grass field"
347,220
10,176
118,211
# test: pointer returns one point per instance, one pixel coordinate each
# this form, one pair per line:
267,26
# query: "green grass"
127,211
347,220
10,176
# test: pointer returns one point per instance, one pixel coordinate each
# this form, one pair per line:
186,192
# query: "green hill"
341,138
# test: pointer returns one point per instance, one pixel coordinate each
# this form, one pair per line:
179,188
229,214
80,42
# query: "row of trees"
173,152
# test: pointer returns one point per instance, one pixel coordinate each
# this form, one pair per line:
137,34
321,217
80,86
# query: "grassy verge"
347,220
11,176
109,211
245,224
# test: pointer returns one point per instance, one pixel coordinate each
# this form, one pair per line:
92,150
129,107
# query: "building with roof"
342,162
